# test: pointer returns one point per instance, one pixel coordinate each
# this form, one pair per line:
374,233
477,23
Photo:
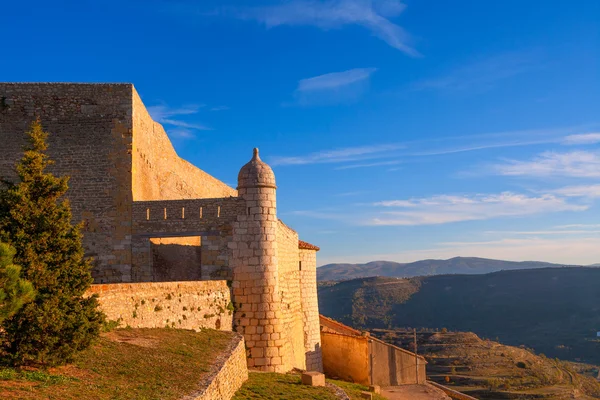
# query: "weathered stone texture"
289,277
310,310
184,305
158,172
90,141
228,375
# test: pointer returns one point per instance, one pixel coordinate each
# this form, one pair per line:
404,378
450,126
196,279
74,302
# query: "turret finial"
255,154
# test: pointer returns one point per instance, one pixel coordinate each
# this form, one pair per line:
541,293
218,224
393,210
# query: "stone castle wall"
182,305
150,216
289,285
90,140
310,310
158,172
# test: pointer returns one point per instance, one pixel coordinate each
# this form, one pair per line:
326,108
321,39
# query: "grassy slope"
288,387
125,364
555,311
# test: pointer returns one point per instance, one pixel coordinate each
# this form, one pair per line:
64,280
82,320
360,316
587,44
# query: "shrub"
36,220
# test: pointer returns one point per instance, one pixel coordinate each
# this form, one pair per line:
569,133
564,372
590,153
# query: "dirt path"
413,392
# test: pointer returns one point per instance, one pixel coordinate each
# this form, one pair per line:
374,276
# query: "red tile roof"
307,246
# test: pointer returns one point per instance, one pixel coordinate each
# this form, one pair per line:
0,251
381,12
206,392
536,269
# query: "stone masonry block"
313,378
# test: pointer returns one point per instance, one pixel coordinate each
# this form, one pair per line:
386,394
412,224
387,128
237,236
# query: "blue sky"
396,130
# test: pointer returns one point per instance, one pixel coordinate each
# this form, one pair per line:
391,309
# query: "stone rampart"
158,172
289,284
183,305
90,139
310,309
228,374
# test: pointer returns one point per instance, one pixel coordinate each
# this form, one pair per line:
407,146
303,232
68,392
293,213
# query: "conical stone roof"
256,173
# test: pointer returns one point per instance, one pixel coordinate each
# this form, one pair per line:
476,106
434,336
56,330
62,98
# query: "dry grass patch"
150,364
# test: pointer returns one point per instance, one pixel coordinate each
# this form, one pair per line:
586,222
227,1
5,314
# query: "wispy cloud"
333,88
334,14
170,116
446,209
582,164
335,79
369,165
545,232
565,250
584,138
160,112
183,124
579,226
483,73
589,191
339,155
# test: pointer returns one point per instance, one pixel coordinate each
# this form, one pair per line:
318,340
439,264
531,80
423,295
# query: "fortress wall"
90,141
346,357
194,232
183,305
310,310
158,172
289,285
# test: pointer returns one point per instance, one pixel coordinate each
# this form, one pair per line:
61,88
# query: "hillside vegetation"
457,265
555,311
125,364
489,370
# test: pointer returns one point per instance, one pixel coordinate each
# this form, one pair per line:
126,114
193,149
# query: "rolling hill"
555,311
456,265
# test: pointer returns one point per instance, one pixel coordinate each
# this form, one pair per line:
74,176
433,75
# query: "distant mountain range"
554,310
456,265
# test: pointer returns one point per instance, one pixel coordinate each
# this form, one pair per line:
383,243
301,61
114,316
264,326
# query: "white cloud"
160,112
333,14
369,165
483,73
581,164
339,155
589,191
183,124
333,88
565,250
169,116
446,209
335,79
584,138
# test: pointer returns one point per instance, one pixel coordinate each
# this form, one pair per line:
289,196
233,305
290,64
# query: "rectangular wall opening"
177,258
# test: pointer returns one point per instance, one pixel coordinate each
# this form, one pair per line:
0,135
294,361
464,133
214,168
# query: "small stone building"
150,216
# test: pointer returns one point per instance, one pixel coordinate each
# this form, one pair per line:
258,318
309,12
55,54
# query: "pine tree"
35,219
14,291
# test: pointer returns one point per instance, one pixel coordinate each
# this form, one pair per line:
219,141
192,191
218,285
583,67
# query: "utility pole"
416,357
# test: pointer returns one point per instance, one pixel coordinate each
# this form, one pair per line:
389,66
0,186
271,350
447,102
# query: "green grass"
149,364
267,386
264,385
353,390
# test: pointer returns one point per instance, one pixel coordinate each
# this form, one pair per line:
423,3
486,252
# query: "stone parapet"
184,305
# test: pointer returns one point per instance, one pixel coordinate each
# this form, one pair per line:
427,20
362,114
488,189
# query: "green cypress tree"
14,291
35,219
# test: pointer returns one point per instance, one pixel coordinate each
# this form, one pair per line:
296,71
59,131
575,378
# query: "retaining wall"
228,374
184,305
